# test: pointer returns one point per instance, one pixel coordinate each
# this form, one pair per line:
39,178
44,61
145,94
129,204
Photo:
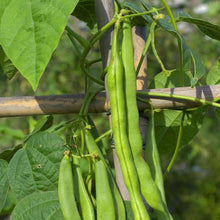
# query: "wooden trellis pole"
68,104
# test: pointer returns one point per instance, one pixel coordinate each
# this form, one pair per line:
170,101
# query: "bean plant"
65,171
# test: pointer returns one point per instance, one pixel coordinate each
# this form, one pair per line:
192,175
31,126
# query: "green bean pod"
66,190
104,199
153,159
118,202
115,83
95,135
147,184
82,196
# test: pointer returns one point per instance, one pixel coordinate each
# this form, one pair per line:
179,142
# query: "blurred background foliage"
193,185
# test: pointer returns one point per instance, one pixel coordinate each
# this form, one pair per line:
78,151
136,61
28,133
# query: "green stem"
173,21
165,95
181,62
152,30
92,41
79,38
143,54
73,41
143,13
170,13
91,62
103,135
88,98
177,146
82,142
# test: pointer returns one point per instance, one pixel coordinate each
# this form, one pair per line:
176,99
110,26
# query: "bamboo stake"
67,104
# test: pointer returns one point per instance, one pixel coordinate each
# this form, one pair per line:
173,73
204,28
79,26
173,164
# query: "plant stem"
143,13
103,135
189,98
152,29
177,146
181,62
79,38
170,14
143,54
173,21
91,62
92,41
74,44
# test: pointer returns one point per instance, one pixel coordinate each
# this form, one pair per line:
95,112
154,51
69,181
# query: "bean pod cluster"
96,195
121,81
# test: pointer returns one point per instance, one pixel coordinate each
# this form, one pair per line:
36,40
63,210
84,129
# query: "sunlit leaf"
30,31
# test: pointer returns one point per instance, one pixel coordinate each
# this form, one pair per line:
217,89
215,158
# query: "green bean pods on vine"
66,190
147,184
115,81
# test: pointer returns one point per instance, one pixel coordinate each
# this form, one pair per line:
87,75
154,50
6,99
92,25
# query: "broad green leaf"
36,166
39,206
161,81
43,124
30,31
211,30
10,203
4,185
6,66
9,153
85,11
167,123
213,76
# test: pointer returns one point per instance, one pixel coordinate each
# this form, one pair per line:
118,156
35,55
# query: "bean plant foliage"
30,176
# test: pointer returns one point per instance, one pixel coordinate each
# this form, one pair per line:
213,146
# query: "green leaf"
36,166
167,123
162,81
43,124
30,31
40,206
85,11
6,66
10,203
213,76
9,153
211,30
4,185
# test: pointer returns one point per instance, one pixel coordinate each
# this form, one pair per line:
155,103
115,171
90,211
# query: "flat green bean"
86,206
147,184
104,198
66,190
118,202
152,157
115,83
